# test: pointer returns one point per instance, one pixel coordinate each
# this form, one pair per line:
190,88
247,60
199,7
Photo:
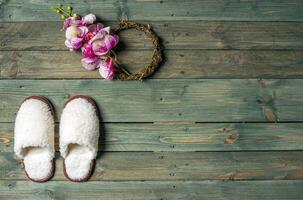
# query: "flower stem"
115,55
125,71
64,12
60,10
118,64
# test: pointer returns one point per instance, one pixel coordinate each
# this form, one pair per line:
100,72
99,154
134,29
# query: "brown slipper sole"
86,178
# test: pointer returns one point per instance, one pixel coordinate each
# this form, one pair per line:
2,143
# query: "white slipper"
79,135
34,138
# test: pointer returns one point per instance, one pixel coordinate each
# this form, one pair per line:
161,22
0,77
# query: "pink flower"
75,36
76,30
106,68
95,40
93,30
103,42
71,21
90,60
90,63
87,51
88,19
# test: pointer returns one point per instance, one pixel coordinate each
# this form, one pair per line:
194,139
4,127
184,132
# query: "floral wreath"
97,43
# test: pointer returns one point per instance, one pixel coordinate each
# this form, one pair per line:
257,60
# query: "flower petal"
100,48
71,21
68,44
72,32
99,26
90,63
105,30
76,43
83,31
111,41
106,68
87,51
98,36
95,28
88,19
67,23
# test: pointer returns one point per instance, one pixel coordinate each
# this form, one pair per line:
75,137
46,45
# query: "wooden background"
221,119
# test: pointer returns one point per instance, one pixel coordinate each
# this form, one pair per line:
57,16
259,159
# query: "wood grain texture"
187,137
197,100
120,166
178,64
174,35
250,10
156,142
153,190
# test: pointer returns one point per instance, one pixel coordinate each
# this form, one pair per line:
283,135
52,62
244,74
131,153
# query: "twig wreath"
97,43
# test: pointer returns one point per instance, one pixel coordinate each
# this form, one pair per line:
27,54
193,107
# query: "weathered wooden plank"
198,100
187,137
175,35
180,166
250,10
178,64
136,190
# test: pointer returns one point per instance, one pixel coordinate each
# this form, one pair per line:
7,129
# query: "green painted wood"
120,166
198,100
187,137
153,190
178,64
192,46
250,10
175,35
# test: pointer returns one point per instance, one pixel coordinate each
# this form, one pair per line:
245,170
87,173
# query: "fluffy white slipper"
34,138
79,135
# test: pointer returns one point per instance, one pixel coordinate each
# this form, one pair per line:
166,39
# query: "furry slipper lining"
34,138
79,135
